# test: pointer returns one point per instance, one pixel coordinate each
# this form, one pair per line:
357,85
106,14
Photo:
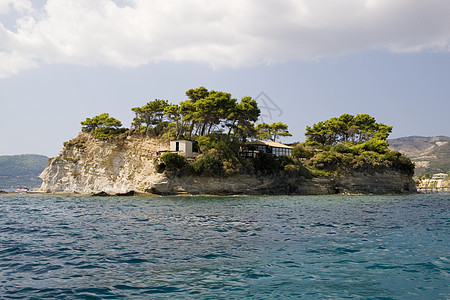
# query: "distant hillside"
430,154
21,170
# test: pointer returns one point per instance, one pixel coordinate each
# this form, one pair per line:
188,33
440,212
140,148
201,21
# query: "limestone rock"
126,166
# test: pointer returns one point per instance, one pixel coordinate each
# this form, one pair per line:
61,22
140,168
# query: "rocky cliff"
86,165
125,164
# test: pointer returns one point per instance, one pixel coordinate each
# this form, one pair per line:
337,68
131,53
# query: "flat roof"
270,143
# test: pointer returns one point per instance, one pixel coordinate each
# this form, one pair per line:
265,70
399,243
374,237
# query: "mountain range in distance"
21,171
430,154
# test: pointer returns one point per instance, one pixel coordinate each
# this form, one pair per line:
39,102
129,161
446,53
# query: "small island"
211,144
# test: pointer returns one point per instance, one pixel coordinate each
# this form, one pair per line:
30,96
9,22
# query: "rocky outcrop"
86,165
126,165
358,183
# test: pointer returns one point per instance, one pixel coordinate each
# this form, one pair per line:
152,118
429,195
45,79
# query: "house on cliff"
251,149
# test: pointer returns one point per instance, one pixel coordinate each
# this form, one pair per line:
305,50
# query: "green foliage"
272,131
297,169
375,145
197,94
300,152
107,133
100,121
426,176
347,128
242,117
173,161
266,164
103,126
313,145
205,112
232,166
225,145
208,164
341,148
400,162
150,116
284,161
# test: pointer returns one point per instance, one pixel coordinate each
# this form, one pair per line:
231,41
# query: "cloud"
233,33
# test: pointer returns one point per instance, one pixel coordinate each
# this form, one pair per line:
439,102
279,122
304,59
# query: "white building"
435,181
439,176
184,148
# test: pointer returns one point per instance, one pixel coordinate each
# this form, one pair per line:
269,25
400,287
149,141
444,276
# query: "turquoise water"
310,247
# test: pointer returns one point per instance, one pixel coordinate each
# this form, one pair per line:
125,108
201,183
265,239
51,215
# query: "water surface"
370,247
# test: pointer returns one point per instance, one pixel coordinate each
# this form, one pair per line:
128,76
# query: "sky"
304,61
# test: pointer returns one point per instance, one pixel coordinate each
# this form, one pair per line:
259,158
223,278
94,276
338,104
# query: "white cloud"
18,5
231,33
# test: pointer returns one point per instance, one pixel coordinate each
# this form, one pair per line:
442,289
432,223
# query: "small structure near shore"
184,148
251,149
438,183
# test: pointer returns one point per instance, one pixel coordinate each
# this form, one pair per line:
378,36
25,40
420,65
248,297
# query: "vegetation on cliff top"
220,124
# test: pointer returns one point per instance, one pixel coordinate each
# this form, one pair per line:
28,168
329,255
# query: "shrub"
292,169
326,160
400,162
341,148
375,145
284,161
232,166
173,161
208,164
266,163
107,133
300,152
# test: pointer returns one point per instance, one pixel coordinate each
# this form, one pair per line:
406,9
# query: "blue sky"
63,61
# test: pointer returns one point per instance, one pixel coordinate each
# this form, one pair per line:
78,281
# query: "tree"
197,94
279,129
103,126
150,116
347,128
242,117
173,112
272,131
100,121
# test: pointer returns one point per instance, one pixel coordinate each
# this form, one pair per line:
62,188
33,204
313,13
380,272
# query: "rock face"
127,165
86,165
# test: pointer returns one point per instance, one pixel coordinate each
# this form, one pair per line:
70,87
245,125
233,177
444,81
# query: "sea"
252,247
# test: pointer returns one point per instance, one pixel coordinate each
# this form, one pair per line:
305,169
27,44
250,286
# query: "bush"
375,145
300,152
341,148
208,164
284,161
292,169
327,160
107,133
232,166
173,161
266,163
400,162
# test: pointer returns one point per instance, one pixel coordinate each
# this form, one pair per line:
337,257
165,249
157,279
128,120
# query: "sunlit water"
310,247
